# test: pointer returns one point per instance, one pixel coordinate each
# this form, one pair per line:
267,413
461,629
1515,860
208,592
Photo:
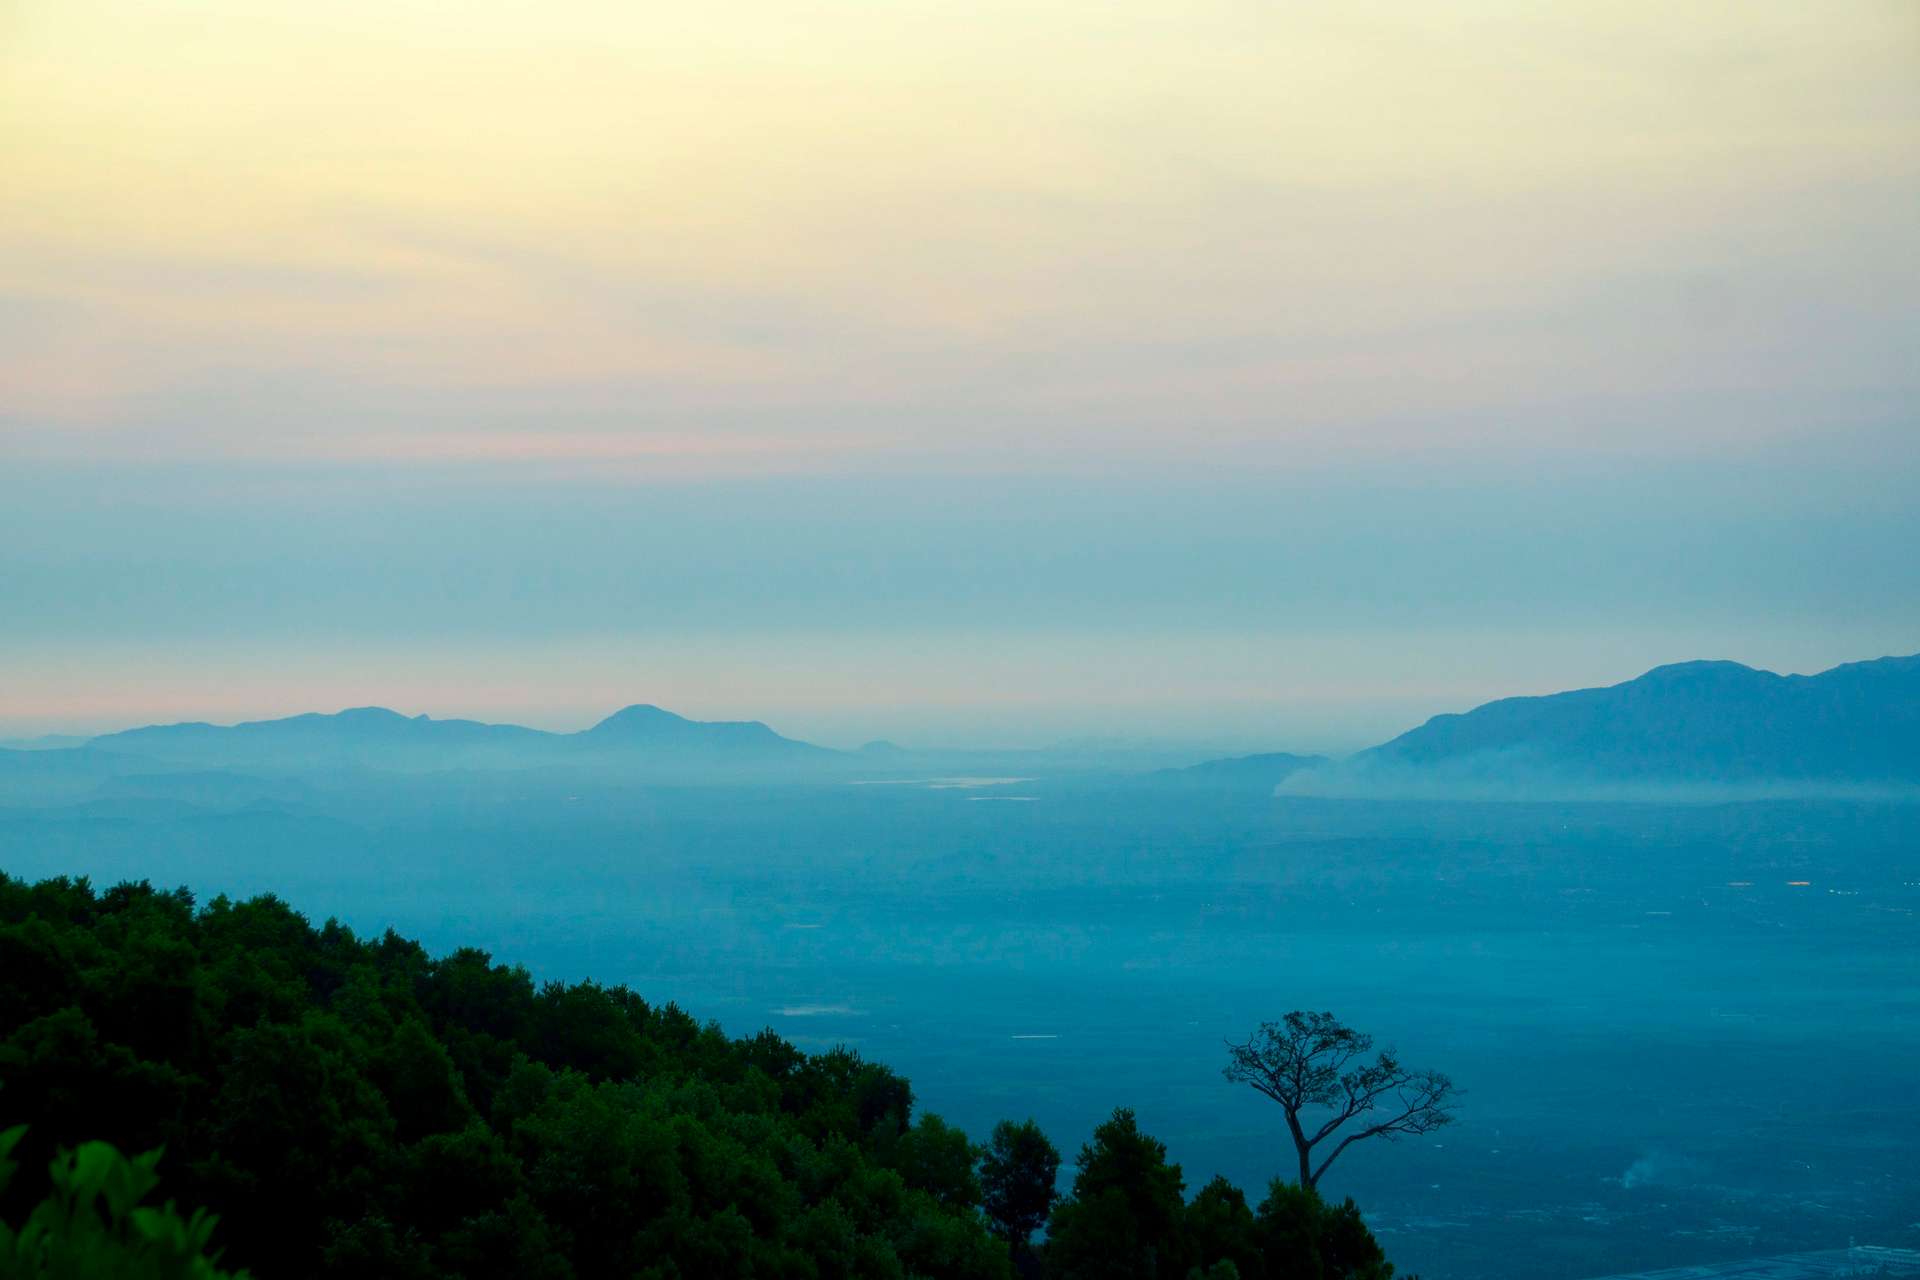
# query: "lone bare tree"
1314,1061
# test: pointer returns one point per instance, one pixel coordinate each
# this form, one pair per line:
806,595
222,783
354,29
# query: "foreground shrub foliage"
92,1226
353,1107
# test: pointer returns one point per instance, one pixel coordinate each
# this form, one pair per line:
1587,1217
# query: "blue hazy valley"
1686,1022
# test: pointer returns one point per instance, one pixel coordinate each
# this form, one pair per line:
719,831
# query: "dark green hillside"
355,1107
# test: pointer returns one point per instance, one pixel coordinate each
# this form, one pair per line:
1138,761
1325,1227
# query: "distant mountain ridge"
379,737
646,724
1690,722
1705,722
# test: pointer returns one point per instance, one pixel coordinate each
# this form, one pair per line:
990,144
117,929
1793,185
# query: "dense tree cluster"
1128,1219
355,1107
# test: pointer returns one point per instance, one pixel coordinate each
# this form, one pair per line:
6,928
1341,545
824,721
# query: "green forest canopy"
353,1107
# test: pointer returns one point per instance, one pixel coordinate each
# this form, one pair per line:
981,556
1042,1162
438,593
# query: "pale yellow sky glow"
955,370
765,235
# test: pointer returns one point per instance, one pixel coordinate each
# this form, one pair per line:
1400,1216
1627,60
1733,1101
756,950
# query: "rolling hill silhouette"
375,737
1689,722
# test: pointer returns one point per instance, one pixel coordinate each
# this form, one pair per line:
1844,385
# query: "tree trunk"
1304,1148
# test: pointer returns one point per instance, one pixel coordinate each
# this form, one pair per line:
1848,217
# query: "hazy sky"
1268,373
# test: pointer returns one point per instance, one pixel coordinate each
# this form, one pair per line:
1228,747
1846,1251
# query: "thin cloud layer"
869,233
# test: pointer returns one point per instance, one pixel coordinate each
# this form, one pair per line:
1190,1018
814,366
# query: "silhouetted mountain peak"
1705,674
643,726
644,720
640,718
1689,721
351,721
379,737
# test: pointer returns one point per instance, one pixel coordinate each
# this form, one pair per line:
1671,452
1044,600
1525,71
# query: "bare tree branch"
1306,1061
